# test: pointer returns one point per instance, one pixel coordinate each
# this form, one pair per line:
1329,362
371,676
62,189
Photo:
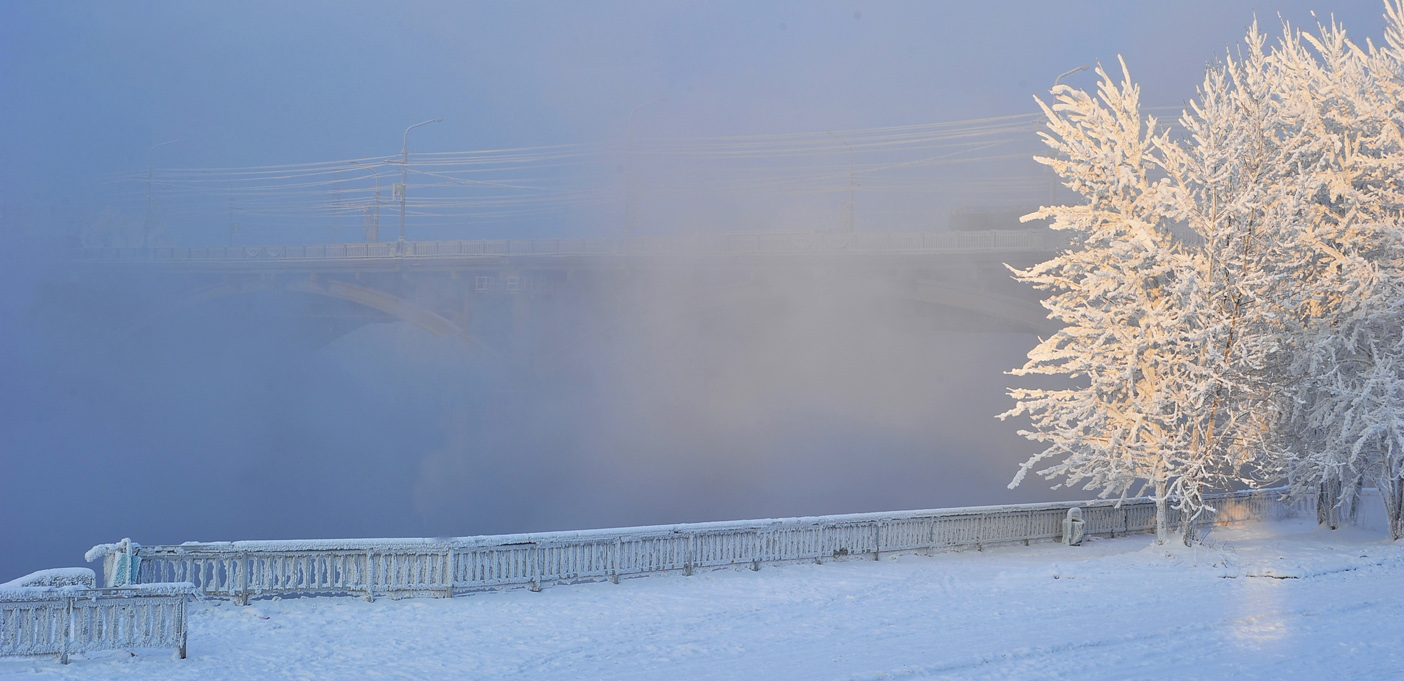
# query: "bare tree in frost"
1129,296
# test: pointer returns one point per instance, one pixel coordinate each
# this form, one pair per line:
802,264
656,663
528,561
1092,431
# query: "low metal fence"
442,567
65,620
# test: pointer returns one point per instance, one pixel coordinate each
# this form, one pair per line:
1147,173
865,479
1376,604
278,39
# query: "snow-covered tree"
1343,388
1128,294
1223,173
1234,297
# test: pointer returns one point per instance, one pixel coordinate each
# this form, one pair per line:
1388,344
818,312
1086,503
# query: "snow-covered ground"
1278,600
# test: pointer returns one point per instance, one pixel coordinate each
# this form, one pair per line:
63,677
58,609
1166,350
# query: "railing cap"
54,593
417,545
55,577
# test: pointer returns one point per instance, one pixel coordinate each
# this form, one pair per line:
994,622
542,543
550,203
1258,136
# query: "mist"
663,390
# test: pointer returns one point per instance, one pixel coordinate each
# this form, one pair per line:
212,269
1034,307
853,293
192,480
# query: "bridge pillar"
522,339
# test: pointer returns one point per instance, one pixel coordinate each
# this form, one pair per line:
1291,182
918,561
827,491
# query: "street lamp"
631,216
848,219
150,221
1060,78
404,172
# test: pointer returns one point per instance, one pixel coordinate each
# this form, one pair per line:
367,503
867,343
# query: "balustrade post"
67,630
536,558
180,627
687,557
877,539
243,564
618,548
448,572
370,576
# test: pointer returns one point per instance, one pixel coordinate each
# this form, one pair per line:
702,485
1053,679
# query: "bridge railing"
759,243
368,567
64,620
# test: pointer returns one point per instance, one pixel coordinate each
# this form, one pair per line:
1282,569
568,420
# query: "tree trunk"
1392,493
1185,530
1162,512
1352,501
1328,503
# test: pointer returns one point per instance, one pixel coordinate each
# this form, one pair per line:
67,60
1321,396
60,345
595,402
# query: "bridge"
491,291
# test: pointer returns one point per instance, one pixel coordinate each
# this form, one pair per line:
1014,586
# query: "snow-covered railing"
55,577
442,567
758,243
48,620
1370,511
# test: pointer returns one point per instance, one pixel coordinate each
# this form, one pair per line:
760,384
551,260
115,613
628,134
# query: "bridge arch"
1023,315
387,303
1016,314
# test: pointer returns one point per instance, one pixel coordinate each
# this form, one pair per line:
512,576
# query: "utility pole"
631,217
1053,176
852,185
334,230
149,223
233,226
404,174
372,211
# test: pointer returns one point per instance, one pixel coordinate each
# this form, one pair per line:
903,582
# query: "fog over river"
669,396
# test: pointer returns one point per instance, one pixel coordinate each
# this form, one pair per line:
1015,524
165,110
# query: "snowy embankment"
1278,600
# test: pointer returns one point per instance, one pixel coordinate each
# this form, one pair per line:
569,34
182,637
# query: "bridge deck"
698,246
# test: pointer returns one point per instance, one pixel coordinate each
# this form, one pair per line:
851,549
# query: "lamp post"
848,218
404,173
150,221
631,216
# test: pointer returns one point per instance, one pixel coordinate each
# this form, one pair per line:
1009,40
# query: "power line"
526,181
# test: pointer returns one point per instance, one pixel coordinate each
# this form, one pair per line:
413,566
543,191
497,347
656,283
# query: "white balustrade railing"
761,243
400,567
64,620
